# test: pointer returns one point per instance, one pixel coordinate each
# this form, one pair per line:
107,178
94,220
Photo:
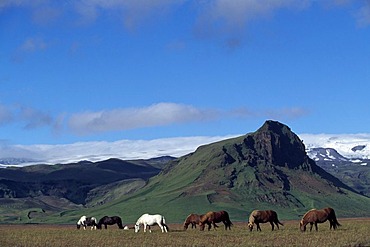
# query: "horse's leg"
161,226
316,226
277,225
332,224
150,229
258,227
272,225
209,226
105,226
144,227
311,226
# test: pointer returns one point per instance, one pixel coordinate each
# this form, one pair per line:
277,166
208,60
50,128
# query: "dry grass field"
353,232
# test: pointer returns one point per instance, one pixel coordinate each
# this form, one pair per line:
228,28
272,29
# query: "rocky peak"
278,145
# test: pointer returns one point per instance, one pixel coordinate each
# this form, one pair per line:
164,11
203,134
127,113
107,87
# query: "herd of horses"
312,217
94,224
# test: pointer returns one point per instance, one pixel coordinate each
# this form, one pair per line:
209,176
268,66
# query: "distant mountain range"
353,148
268,168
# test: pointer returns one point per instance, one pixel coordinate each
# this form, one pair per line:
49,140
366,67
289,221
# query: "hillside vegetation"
266,169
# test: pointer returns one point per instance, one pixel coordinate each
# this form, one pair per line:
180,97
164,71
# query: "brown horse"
315,216
211,218
260,216
192,219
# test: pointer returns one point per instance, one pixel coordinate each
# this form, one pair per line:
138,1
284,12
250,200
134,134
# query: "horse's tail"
119,223
280,223
230,223
335,221
164,223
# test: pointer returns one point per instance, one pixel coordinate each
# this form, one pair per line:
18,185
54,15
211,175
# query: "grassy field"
353,232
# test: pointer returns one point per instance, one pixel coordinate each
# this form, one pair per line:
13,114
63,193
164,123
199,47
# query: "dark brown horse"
106,220
315,216
263,216
211,218
192,219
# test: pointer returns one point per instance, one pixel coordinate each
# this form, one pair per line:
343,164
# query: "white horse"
87,221
150,220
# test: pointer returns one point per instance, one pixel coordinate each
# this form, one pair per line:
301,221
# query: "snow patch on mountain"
349,146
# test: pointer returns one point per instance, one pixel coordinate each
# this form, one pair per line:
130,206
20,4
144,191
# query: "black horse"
106,220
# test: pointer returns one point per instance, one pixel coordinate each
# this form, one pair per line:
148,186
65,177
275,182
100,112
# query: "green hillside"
267,169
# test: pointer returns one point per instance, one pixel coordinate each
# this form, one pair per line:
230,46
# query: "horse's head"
250,226
201,225
302,226
186,224
78,226
137,227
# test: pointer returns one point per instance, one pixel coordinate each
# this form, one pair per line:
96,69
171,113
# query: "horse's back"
271,214
208,217
152,218
224,215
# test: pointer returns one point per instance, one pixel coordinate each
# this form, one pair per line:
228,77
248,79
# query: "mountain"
354,172
266,169
53,188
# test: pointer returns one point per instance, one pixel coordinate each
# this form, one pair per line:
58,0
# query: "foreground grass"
353,232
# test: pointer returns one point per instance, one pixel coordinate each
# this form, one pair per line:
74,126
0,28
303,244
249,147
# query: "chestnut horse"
263,216
192,219
211,218
315,216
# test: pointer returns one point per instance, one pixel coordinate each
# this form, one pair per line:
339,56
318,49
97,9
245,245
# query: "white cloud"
121,119
31,118
95,151
34,118
130,118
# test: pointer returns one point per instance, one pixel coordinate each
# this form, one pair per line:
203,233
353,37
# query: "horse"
149,220
106,220
211,218
192,219
315,216
263,216
87,221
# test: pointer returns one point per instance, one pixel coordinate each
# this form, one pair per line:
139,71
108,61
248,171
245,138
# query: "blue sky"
109,70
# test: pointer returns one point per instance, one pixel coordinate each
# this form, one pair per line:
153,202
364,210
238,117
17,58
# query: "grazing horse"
315,216
211,218
106,220
192,219
149,220
263,216
87,221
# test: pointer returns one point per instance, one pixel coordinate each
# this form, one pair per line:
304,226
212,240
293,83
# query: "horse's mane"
308,212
